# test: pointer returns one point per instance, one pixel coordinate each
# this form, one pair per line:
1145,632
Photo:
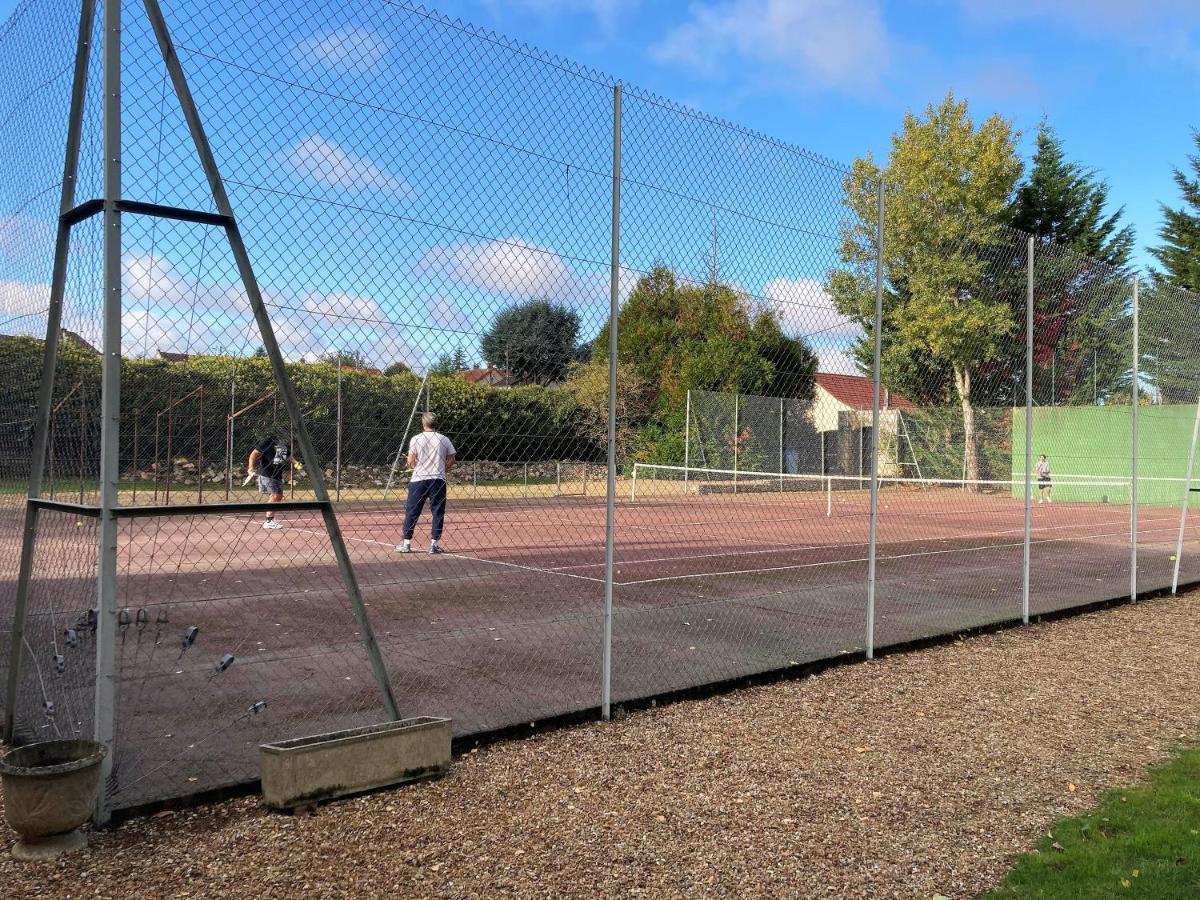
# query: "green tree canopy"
1179,253
679,337
536,341
1082,326
1063,203
350,359
949,185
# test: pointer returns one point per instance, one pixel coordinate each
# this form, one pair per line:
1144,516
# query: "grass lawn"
1140,842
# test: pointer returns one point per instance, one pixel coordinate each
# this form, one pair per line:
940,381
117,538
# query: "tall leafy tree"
1082,327
679,337
1171,309
536,341
1179,253
1061,202
949,185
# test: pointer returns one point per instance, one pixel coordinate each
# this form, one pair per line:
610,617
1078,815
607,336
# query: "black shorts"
1043,482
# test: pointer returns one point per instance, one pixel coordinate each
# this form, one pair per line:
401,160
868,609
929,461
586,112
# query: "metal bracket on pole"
267,331
1029,281
614,301
875,380
1133,478
41,426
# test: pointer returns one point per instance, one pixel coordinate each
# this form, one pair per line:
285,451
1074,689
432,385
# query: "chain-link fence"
405,216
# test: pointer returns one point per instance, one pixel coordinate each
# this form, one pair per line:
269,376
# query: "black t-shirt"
273,456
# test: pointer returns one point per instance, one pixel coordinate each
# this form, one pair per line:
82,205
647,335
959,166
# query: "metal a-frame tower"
109,511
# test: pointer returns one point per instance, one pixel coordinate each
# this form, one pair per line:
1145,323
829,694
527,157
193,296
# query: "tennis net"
837,492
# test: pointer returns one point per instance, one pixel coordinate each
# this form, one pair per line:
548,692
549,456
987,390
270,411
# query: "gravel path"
914,775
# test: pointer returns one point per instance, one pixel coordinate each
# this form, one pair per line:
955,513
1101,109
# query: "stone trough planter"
307,770
49,791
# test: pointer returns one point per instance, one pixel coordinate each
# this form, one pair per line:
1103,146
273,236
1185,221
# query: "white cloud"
1117,16
511,267
605,12
805,308
21,236
836,362
841,44
148,277
345,51
23,307
323,161
445,313
346,310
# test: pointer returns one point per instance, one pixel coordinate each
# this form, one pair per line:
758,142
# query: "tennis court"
708,585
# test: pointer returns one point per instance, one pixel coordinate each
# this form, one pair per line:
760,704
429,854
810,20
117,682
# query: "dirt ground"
917,774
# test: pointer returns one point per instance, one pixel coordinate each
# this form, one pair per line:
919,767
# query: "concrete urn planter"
49,791
303,771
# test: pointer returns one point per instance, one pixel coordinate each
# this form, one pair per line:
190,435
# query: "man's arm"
252,465
450,462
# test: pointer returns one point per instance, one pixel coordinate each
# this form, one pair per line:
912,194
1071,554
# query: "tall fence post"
875,380
110,410
1133,478
614,275
1028,430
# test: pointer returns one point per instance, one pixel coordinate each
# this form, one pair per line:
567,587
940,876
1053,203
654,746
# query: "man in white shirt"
430,456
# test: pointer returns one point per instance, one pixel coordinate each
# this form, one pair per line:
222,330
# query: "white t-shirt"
431,450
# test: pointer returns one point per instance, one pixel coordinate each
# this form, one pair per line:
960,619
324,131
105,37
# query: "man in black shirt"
269,460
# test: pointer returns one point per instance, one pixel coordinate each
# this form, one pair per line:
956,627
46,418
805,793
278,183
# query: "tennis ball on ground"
1172,557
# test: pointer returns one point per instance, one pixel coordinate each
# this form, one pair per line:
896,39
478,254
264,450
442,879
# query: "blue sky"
388,234
1119,79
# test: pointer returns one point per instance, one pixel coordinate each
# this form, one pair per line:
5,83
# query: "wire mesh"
427,207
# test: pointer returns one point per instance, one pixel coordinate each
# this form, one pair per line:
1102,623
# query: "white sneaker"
271,525
406,547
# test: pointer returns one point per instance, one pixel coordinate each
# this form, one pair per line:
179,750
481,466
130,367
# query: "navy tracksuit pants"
433,490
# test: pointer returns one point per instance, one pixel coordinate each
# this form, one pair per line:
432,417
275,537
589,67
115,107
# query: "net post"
633,483
337,437
1133,426
736,410
781,467
875,379
1028,539
1187,495
110,411
613,311
687,439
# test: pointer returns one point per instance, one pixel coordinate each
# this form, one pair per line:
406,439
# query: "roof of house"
490,375
173,357
855,391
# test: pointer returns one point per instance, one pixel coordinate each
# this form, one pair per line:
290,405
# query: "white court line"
842,562
1169,524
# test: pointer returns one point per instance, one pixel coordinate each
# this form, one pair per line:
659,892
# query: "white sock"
407,543
433,543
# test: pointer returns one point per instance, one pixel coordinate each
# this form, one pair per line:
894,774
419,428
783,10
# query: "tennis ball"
1172,557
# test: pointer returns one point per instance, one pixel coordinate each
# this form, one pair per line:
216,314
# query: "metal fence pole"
781,465
229,427
110,407
42,426
875,380
1028,430
1133,478
614,275
1187,496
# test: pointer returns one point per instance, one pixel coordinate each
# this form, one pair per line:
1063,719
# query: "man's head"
429,422
1042,457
